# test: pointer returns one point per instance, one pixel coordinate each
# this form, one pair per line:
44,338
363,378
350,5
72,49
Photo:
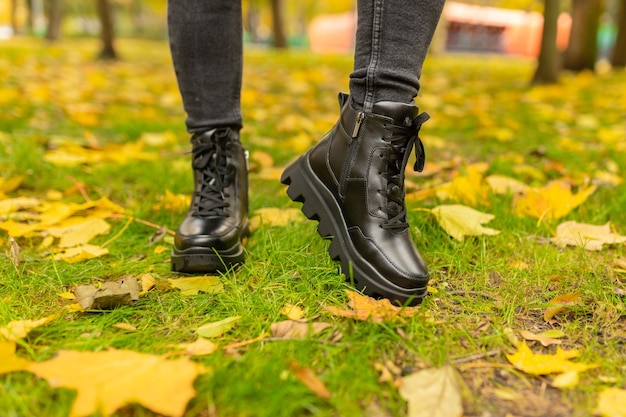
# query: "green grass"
479,291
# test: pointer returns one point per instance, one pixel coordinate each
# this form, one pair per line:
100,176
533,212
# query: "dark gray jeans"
392,40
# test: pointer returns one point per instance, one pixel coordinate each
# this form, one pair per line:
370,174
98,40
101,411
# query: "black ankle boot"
209,238
353,183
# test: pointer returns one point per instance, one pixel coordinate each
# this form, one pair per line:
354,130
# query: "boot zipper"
357,124
353,145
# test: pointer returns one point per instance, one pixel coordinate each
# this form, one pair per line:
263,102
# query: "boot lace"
402,141
210,160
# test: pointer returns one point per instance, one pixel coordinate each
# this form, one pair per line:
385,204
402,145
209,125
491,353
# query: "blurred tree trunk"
618,59
548,64
252,21
105,14
14,25
582,48
278,24
54,14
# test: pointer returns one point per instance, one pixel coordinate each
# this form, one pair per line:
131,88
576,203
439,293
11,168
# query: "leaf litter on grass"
469,103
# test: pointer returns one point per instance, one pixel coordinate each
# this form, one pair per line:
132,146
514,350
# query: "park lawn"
485,291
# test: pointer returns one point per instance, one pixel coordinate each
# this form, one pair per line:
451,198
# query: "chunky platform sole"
202,259
318,203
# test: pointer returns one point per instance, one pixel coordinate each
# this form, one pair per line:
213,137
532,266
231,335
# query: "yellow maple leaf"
194,285
79,231
8,361
172,202
81,253
11,205
19,329
543,364
460,221
293,312
10,184
551,202
107,380
588,236
468,189
363,308
560,303
611,403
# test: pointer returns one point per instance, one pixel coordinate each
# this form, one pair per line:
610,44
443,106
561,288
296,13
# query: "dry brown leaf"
364,308
544,340
109,295
125,326
290,329
107,380
201,347
14,252
8,361
310,380
560,303
433,392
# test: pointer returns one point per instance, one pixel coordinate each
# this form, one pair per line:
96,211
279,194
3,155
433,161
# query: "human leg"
206,46
353,180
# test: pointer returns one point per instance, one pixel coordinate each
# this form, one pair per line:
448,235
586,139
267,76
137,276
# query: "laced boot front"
209,238
353,183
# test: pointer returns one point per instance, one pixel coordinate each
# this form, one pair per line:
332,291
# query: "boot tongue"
401,113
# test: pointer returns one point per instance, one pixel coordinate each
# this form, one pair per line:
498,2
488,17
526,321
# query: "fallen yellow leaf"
501,184
364,308
107,380
551,202
125,326
560,303
274,216
19,329
588,236
566,380
201,347
460,221
194,285
543,364
8,361
81,253
293,312
217,328
543,339
611,403
433,392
